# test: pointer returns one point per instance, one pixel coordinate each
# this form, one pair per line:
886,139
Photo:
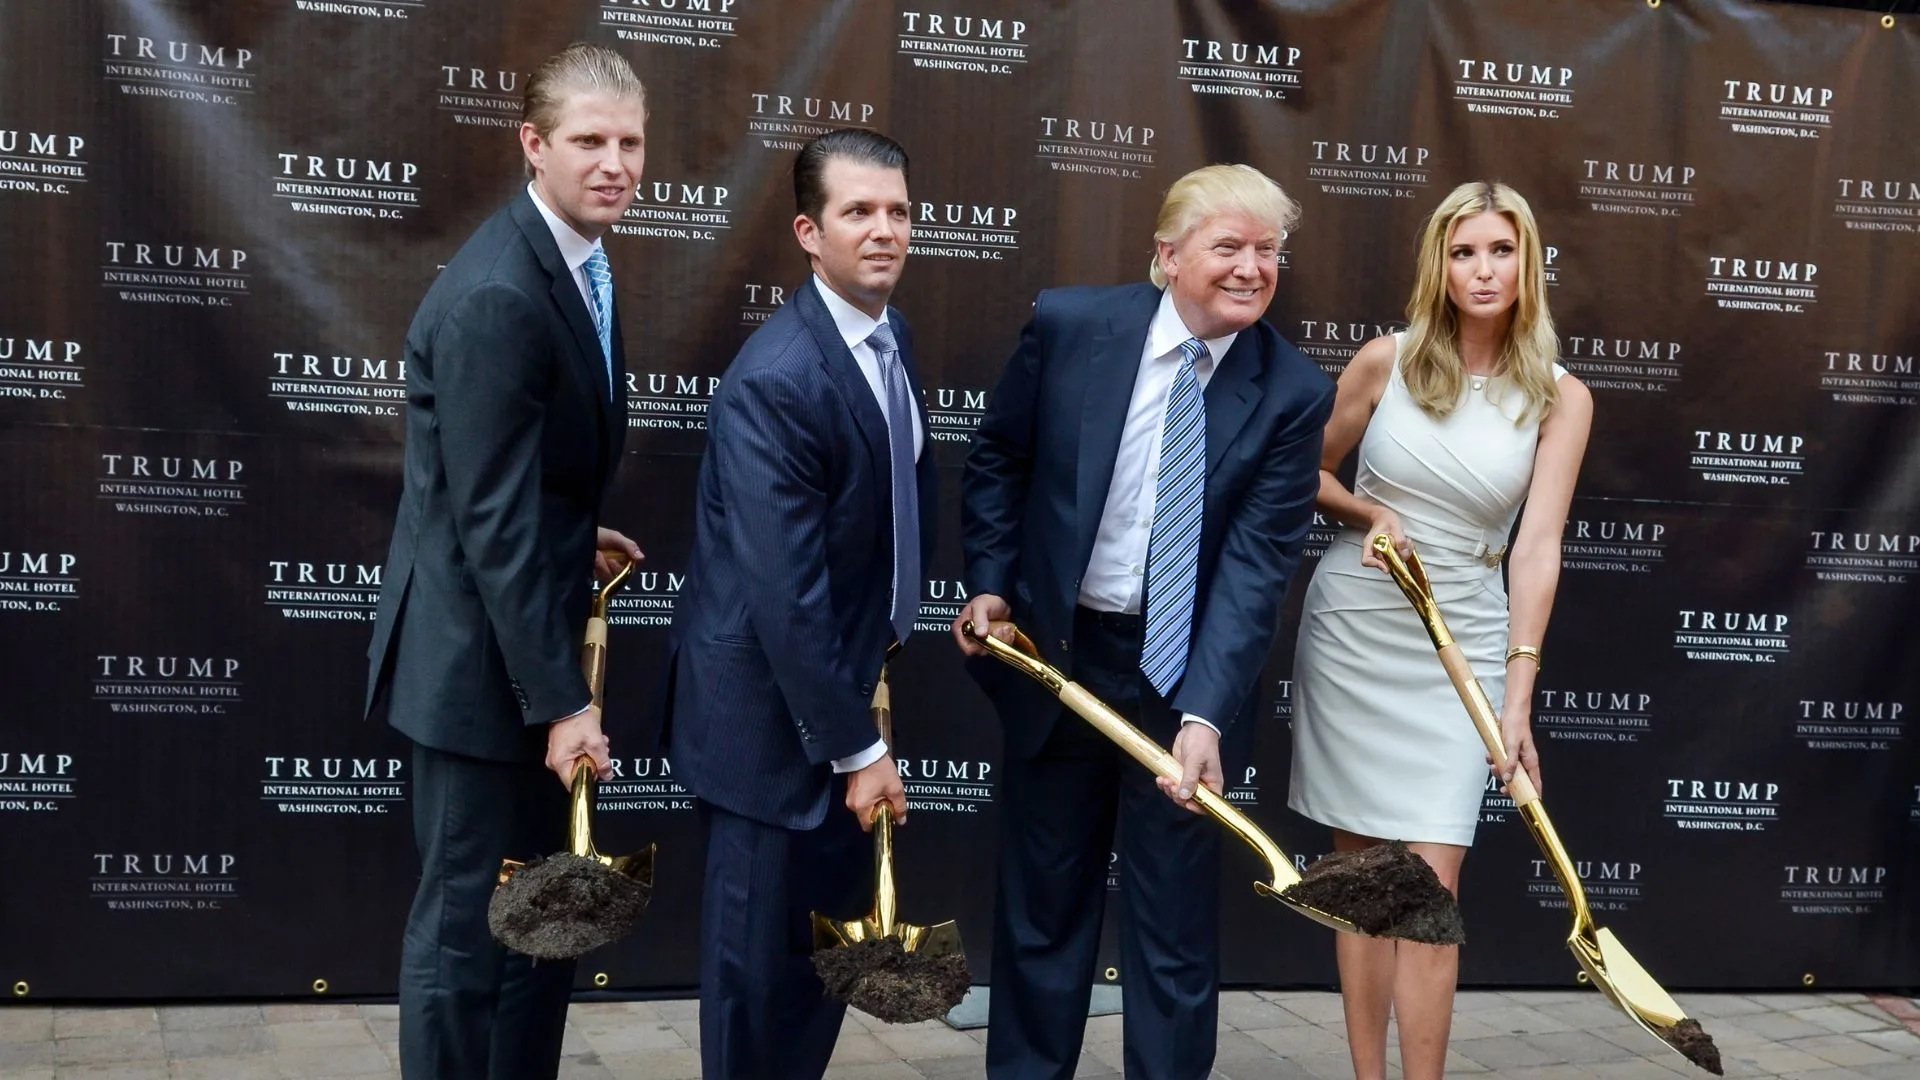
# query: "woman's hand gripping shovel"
1385,891
577,900
892,970
1614,970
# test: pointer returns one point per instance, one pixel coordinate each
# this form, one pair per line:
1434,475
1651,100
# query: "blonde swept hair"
1431,364
579,68
1219,189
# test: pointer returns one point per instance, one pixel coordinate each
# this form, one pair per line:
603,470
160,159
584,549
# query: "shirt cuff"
862,759
1189,718
582,711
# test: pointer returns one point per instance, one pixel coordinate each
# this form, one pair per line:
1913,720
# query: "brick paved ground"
1536,1035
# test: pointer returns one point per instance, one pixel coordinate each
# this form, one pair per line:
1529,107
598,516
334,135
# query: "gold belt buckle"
1490,557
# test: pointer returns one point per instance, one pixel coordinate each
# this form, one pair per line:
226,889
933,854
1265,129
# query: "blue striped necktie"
600,275
906,487
1173,551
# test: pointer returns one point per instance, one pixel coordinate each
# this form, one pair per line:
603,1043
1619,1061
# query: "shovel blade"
1330,921
1624,982
941,939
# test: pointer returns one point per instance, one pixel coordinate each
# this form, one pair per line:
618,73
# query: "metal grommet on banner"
1112,974
1653,3
1581,977
1886,22
600,979
20,988
319,986
1807,979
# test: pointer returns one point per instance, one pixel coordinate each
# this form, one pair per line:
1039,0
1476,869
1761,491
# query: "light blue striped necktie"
906,486
1173,551
600,276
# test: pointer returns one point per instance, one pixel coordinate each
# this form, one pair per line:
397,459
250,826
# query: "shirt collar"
574,248
1167,331
855,326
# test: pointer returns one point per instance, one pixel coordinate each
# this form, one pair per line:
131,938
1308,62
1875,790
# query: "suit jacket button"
866,688
1064,647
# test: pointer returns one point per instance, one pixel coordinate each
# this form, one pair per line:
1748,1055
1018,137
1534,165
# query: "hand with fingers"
575,737
1385,523
612,550
1516,738
1197,749
981,612
874,785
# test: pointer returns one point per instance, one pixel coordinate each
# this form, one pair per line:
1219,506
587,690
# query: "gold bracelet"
1530,652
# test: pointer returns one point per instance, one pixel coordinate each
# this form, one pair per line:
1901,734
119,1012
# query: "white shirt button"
1139,570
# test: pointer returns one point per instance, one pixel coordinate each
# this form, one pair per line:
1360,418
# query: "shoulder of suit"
1288,364
1070,300
496,252
784,343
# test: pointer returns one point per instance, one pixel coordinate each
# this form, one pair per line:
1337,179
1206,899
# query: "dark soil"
1386,891
1690,1039
561,906
880,978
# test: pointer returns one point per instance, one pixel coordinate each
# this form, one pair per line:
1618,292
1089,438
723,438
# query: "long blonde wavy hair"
1431,364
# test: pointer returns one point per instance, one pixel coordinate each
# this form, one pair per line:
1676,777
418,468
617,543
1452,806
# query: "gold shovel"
940,939
1607,962
638,867
1022,654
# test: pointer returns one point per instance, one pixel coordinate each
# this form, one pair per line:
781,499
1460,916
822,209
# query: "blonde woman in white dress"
1460,421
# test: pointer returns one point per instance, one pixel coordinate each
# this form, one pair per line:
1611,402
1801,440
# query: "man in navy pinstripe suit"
813,518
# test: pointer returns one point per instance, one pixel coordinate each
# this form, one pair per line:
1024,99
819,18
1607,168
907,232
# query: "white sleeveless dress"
1381,744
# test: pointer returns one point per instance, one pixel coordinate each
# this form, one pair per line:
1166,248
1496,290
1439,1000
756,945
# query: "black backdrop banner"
217,218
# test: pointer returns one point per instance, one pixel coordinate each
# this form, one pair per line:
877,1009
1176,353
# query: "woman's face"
1483,266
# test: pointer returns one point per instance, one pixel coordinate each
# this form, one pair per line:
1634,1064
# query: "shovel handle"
593,652
1411,576
886,898
1412,579
882,709
1022,654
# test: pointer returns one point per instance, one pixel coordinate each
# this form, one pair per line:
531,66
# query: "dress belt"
1482,552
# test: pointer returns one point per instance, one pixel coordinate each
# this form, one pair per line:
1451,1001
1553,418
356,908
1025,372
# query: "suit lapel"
1112,365
566,296
616,405
1232,393
904,338
845,375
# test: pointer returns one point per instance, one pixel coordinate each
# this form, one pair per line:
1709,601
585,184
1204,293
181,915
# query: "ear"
807,232
1169,260
533,146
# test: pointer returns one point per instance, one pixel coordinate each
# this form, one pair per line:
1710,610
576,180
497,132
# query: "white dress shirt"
574,248
855,327
1117,572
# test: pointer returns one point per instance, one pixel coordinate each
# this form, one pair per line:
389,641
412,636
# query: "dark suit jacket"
783,624
1036,484
512,438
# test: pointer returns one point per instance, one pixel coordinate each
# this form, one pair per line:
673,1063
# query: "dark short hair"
862,145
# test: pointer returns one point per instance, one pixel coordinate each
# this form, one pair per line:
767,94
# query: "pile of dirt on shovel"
1386,891
879,977
1691,1039
564,905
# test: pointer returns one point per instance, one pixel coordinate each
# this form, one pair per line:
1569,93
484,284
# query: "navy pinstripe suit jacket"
781,629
